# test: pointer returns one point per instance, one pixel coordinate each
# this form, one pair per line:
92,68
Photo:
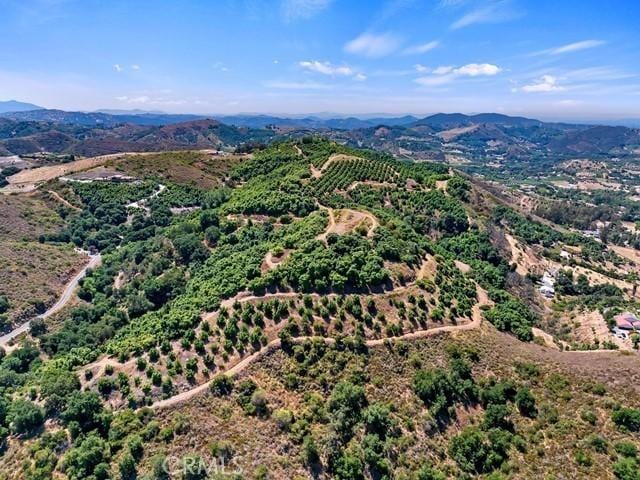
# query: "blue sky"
564,59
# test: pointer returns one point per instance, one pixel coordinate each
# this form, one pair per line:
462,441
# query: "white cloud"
420,68
492,12
477,69
297,85
302,9
446,74
117,67
135,67
327,68
571,47
546,83
360,77
442,70
373,45
422,48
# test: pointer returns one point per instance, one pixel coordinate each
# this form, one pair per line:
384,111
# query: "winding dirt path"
332,223
476,321
371,183
62,200
336,157
354,219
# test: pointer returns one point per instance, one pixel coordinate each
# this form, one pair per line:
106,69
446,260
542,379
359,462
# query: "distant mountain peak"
450,120
16,106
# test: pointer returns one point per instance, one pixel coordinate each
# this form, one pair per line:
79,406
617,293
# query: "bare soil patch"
44,174
453,133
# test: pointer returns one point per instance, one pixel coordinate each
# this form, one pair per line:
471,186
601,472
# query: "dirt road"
476,321
94,261
346,220
62,200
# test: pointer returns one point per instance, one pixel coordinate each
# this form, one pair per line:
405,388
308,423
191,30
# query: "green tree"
345,405
86,409
25,417
127,466
221,385
526,402
89,459
478,452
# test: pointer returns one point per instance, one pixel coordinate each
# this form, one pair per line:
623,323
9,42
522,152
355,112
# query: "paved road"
94,261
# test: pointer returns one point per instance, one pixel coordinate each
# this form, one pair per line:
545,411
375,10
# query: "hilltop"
15,106
326,311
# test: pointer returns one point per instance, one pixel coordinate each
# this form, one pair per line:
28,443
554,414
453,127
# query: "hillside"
315,310
482,138
26,137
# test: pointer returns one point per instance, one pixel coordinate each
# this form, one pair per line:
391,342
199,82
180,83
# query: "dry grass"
199,168
453,133
27,178
32,272
548,454
25,217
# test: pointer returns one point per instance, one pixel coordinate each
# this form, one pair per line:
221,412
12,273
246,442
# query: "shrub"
478,452
222,450
526,403
626,448
88,459
589,416
628,418
429,473
497,416
85,408
259,402
598,443
127,466
377,419
221,385
25,416
583,458
283,418
627,469
345,405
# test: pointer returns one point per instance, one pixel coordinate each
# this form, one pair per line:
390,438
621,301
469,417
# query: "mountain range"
484,135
